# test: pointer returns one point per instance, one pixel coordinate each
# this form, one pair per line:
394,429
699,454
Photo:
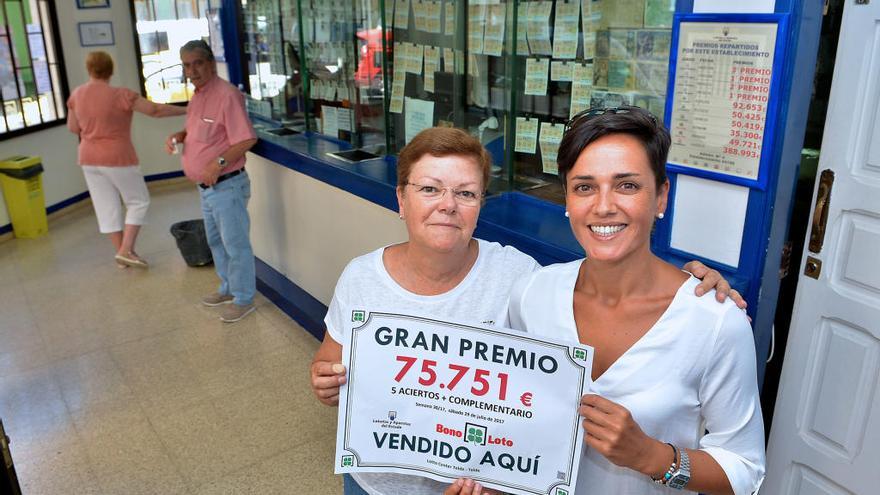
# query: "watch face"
678,481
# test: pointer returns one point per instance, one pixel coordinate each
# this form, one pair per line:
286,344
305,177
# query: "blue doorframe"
769,210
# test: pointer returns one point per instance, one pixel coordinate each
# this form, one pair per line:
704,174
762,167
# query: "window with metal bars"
161,28
32,81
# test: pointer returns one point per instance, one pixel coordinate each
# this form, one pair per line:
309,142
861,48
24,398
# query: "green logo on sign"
580,354
347,461
560,491
475,434
358,316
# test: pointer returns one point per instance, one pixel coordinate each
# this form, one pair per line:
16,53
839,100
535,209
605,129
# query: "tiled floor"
119,382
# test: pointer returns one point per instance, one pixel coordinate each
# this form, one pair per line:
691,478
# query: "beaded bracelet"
668,474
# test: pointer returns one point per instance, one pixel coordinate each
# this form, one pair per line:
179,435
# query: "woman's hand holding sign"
611,430
327,372
467,486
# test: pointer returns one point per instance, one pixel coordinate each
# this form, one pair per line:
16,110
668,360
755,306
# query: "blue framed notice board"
724,110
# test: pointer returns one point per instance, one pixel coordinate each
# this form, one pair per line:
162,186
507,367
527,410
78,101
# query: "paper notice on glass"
621,74
653,45
330,91
721,94
709,218
561,71
330,120
448,60
449,19
344,117
415,54
522,29
623,13
432,17
315,89
419,116
565,32
493,41
420,20
432,65
401,14
658,13
539,27
551,136
591,14
398,56
651,77
398,86
423,397
537,70
526,135
621,44
581,88
476,27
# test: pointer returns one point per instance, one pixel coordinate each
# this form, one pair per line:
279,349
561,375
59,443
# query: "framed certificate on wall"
92,4
98,33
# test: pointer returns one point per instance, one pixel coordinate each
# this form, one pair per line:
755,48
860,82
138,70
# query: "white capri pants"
106,185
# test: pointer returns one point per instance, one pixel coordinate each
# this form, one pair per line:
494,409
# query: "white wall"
62,178
309,230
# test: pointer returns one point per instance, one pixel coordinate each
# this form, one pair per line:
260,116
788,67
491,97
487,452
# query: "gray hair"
198,46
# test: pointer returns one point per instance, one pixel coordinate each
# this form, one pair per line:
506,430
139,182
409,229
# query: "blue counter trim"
291,298
535,227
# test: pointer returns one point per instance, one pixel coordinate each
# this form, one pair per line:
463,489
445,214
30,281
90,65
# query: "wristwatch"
682,475
221,162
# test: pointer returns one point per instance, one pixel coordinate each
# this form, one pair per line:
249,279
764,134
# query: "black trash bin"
192,242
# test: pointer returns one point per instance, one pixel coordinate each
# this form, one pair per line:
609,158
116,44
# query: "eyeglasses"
595,112
464,197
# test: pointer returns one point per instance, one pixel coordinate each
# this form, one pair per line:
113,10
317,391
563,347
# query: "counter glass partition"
373,73
575,55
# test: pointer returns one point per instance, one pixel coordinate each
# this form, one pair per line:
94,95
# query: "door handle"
820,212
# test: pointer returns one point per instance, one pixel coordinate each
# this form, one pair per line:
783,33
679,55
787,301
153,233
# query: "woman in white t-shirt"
674,400
441,271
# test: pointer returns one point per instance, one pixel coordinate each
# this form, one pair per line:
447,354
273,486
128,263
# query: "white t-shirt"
693,371
480,299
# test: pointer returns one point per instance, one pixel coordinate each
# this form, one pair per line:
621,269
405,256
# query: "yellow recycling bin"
22,183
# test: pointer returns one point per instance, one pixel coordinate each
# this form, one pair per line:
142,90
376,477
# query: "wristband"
662,480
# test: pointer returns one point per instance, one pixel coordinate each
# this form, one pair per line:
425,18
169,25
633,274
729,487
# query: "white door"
826,427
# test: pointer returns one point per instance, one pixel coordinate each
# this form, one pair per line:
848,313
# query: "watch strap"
682,475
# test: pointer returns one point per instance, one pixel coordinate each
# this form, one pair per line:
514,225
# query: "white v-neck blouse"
693,371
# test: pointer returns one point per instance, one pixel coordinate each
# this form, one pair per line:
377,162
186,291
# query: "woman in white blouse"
674,400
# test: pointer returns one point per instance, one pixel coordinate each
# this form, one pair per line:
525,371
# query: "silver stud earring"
660,215
566,213
401,216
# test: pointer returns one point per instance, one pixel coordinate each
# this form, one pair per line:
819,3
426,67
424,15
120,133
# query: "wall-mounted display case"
373,73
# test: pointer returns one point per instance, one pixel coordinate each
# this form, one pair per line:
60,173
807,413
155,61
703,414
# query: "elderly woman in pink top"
100,115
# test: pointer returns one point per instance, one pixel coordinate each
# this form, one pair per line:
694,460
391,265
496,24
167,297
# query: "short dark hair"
440,142
590,125
198,46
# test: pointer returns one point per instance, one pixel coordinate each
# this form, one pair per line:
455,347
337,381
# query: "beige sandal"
131,260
